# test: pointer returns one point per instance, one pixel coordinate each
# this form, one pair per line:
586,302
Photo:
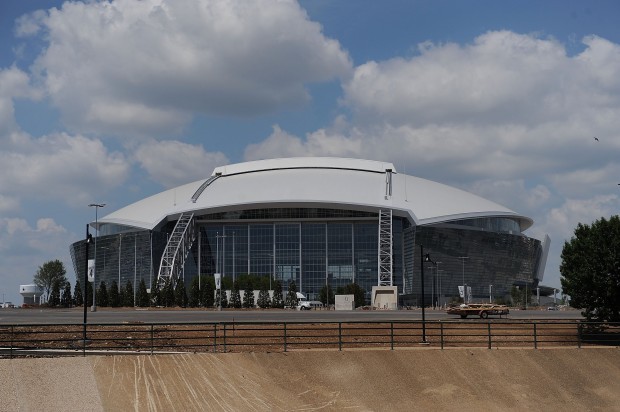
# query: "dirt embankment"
358,380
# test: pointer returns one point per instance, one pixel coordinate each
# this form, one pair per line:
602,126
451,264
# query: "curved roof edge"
305,163
440,203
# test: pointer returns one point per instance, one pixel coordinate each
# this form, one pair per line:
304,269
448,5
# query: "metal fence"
150,338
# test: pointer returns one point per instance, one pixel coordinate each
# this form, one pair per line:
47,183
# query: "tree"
66,299
78,297
248,299
49,273
207,297
114,297
263,298
235,297
167,294
128,295
521,295
194,293
54,299
326,295
590,269
155,297
277,300
291,296
143,295
102,295
180,294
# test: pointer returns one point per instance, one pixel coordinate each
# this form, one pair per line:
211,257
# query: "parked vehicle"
309,304
478,309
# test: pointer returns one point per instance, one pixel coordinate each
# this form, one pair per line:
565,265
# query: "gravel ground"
419,379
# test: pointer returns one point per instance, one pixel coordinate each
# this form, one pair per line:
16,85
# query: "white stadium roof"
312,182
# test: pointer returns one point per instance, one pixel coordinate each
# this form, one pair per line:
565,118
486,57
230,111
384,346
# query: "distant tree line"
51,278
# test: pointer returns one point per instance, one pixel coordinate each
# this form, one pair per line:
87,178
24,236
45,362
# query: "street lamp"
465,295
96,206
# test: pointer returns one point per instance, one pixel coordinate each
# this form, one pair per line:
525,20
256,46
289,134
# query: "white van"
309,304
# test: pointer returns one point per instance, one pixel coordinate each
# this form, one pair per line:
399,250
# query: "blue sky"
114,101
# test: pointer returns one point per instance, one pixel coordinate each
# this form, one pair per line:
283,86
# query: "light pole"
465,296
432,287
233,262
436,302
120,245
440,296
217,265
89,238
96,206
423,258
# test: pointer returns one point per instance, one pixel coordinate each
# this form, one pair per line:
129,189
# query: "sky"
113,101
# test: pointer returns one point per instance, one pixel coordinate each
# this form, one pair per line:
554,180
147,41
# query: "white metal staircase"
177,249
385,247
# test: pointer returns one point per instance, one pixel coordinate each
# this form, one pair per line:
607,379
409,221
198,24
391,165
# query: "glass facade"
491,263
123,257
314,246
312,254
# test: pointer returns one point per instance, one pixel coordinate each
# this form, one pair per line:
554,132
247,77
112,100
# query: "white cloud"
58,167
510,117
8,203
14,83
501,78
48,225
563,219
145,67
24,248
319,143
14,225
172,163
507,107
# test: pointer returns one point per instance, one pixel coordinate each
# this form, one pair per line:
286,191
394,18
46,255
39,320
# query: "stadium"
318,222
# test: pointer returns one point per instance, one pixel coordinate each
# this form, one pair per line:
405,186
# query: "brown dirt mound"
360,380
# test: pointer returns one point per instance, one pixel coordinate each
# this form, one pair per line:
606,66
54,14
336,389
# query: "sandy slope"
376,380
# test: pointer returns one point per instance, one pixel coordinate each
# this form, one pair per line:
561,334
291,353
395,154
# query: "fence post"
224,337
152,337
535,337
284,336
441,329
214,337
12,331
489,332
84,339
579,331
392,334
340,336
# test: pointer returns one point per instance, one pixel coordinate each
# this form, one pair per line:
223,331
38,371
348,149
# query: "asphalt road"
107,315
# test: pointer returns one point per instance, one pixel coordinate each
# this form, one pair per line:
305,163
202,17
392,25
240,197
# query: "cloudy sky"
112,101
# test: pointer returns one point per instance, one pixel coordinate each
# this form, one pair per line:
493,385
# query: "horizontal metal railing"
132,338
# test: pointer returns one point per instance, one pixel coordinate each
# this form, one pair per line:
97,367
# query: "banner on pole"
218,280
91,270
462,291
